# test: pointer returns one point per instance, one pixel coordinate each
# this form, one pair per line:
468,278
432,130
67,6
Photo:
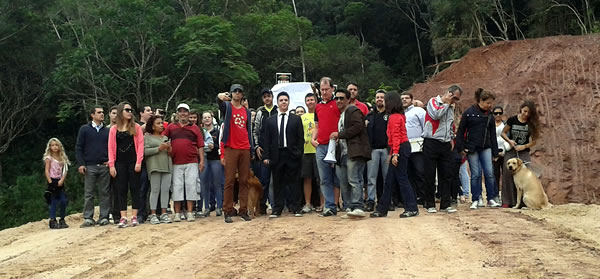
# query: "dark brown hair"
482,95
150,123
533,121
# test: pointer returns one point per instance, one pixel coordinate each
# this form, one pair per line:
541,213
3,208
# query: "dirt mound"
562,75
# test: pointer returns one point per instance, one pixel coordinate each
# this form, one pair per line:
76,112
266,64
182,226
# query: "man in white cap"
188,159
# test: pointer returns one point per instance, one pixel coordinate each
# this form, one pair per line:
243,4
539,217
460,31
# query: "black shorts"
309,166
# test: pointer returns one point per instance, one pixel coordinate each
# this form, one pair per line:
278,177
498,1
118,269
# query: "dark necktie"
281,130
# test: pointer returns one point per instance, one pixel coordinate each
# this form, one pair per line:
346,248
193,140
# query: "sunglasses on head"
128,110
339,98
498,113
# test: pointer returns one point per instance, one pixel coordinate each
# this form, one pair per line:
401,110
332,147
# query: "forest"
59,57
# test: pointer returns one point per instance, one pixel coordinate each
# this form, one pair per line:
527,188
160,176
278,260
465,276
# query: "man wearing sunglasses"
238,143
438,134
354,152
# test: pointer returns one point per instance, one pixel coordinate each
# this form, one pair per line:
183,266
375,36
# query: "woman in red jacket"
400,151
125,154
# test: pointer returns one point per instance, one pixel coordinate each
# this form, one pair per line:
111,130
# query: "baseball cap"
236,86
185,106
266,91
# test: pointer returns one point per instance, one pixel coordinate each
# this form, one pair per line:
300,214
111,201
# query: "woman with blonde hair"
125,154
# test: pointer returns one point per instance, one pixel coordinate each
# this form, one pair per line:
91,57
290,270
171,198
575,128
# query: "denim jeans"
378,158
350,173
212,178
59,199
328,177
482,161
465,180
398,178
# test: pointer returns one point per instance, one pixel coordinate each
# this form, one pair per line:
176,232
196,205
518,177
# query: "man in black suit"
283,137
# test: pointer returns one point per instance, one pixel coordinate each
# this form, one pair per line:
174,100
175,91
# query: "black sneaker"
370,207
327,212
88,223
228,219
392,207
62,224
407,214
245,217
377,214
103,222
53,224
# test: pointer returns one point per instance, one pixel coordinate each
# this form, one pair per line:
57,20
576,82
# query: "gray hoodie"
439,120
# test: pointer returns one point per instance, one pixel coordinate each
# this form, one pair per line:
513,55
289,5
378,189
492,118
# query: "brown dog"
255,195
528,186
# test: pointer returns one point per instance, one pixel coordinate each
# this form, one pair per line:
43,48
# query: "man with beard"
376,128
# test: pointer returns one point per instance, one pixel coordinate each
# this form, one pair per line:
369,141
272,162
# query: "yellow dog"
528,186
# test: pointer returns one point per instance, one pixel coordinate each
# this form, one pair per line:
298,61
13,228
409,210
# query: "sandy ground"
561,242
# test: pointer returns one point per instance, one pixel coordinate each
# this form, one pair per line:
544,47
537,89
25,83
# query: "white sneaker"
474,205
450,209
431,210
177,217
306,209
190,217
357,213
480,202
493,203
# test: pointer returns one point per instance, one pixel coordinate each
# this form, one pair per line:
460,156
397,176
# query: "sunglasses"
498,113
339,98
237,91
128,110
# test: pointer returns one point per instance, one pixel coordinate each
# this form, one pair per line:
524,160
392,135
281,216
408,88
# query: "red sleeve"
222,147
166,132
139,144
112,146
362,108
397,124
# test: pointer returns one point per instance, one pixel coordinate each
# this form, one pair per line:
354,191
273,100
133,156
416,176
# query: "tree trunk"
418,42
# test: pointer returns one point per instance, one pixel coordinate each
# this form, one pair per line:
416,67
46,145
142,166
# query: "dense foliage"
59,57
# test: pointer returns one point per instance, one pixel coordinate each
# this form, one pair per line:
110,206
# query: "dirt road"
562,242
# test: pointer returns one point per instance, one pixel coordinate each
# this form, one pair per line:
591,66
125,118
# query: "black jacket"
294,136
477,131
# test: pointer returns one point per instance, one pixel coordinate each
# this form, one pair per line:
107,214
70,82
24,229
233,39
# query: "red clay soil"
562,76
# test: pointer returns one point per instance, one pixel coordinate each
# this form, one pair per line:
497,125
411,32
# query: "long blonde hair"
62,156
121,121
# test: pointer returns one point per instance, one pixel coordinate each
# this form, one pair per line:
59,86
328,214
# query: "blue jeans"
327,176
212,178
482,161
398,178
378,158
58,199
350,174
465,181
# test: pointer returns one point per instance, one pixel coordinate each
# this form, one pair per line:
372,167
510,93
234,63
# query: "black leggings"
126,178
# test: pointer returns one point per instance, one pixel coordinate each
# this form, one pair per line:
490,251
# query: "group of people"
397,153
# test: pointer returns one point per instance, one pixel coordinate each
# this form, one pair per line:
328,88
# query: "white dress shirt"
285,122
